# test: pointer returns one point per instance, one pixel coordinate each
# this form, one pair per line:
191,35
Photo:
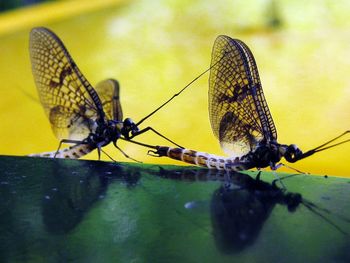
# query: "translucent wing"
70,102
108,91
239,115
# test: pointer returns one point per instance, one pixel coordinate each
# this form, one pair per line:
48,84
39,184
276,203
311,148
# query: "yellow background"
154,48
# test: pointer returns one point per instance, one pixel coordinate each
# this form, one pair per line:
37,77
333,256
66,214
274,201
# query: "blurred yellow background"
154,48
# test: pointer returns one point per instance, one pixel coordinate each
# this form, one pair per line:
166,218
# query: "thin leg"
276,175
99,149
127,156
68,141
289,167
108,155
274,167
159,134
139,143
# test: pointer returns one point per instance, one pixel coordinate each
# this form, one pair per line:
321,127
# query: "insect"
239,116
87,117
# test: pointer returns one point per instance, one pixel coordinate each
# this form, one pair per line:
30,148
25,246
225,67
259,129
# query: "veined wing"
238,111
108,91
270,132
70,102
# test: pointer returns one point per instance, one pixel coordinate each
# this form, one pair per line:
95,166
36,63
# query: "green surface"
88,211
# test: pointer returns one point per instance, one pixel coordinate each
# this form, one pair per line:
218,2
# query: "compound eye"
128,121
293,153
293,147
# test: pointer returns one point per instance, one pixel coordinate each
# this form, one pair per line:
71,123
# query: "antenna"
317,211
324,146
177,94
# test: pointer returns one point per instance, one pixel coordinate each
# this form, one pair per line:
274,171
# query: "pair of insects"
92,118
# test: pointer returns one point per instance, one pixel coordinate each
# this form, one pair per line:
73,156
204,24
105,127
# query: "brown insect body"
263,156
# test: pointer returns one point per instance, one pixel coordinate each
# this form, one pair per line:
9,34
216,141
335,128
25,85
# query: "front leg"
124,153
275,166
136,133
99,148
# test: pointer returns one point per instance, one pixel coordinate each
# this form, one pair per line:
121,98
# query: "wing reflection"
240,209
241,206
70,191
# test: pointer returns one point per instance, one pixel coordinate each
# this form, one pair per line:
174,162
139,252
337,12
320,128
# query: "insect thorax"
105,133
265,155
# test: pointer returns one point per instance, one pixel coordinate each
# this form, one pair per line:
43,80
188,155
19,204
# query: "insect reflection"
241,206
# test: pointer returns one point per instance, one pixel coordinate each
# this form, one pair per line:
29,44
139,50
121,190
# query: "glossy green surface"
88,211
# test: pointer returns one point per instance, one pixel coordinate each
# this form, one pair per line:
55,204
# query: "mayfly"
239,116
80,115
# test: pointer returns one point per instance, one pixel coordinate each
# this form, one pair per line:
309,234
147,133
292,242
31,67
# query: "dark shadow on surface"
71,191
241,206
45,200
57,192
240,209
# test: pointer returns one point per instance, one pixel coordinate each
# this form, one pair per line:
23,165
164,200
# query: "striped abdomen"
73,152
204,159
